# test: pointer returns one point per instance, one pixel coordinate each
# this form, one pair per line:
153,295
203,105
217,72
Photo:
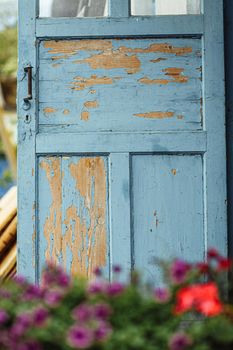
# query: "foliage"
8,52
64,313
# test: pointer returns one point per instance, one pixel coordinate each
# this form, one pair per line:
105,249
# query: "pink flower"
213,253
29,345
4,317
179,270
21,325
80,337
52,298
32,292
102,311
103,331
180,341
82,313
162,295
97,272
40,316
97,287
115,288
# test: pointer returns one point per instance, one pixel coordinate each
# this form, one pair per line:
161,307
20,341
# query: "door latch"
28,71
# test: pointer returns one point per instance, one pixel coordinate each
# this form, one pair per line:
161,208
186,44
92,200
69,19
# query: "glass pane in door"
73,8
165,7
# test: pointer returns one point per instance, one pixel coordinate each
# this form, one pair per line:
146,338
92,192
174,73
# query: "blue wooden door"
122,144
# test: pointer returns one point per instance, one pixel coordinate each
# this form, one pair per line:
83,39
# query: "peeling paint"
87,240
158,60
92,92
49,110
174,73
155,115
85,115
180,117
174,171
160,47
91,104
70,48
33,172
66,111
80,83
112,60
52,226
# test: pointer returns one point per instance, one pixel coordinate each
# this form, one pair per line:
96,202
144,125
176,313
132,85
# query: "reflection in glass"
165,7
73,8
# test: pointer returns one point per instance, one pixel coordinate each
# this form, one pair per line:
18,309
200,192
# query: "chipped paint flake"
160,47
91,104
85,115
175,73
52,227
155,115
69,48
80,83
86,239
49,110
113,60
66,111
174,172
157,60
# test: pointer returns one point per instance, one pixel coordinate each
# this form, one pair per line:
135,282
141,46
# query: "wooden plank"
119,8
60,142
8,236
120,214
9,210
215,159
133,26
26,142
10,196
8,263
165,74
168,213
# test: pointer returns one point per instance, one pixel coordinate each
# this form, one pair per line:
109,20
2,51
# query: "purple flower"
179,270
5,294
103,331
179,341
97,287
82,313
102,311
117,269
97,272
20,280
4,317
52,298
162,295
115,288
22,323
80,337
63,279
40,316
32,292
29,345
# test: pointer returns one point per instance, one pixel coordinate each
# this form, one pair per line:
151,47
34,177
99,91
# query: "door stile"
120,213
214,123
26,140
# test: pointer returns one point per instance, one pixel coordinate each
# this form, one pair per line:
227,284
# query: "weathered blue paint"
130,163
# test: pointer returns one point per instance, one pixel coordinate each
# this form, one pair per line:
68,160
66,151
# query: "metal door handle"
28,71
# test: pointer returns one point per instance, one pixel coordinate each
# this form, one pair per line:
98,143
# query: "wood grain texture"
159,80
73,213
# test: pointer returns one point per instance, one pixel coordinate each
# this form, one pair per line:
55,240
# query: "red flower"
204,298
203,267
213,253
224,264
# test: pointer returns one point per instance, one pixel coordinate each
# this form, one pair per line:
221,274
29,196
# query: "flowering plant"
64,313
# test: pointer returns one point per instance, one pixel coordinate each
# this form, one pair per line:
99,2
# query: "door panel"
168,218
73,212
121,85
